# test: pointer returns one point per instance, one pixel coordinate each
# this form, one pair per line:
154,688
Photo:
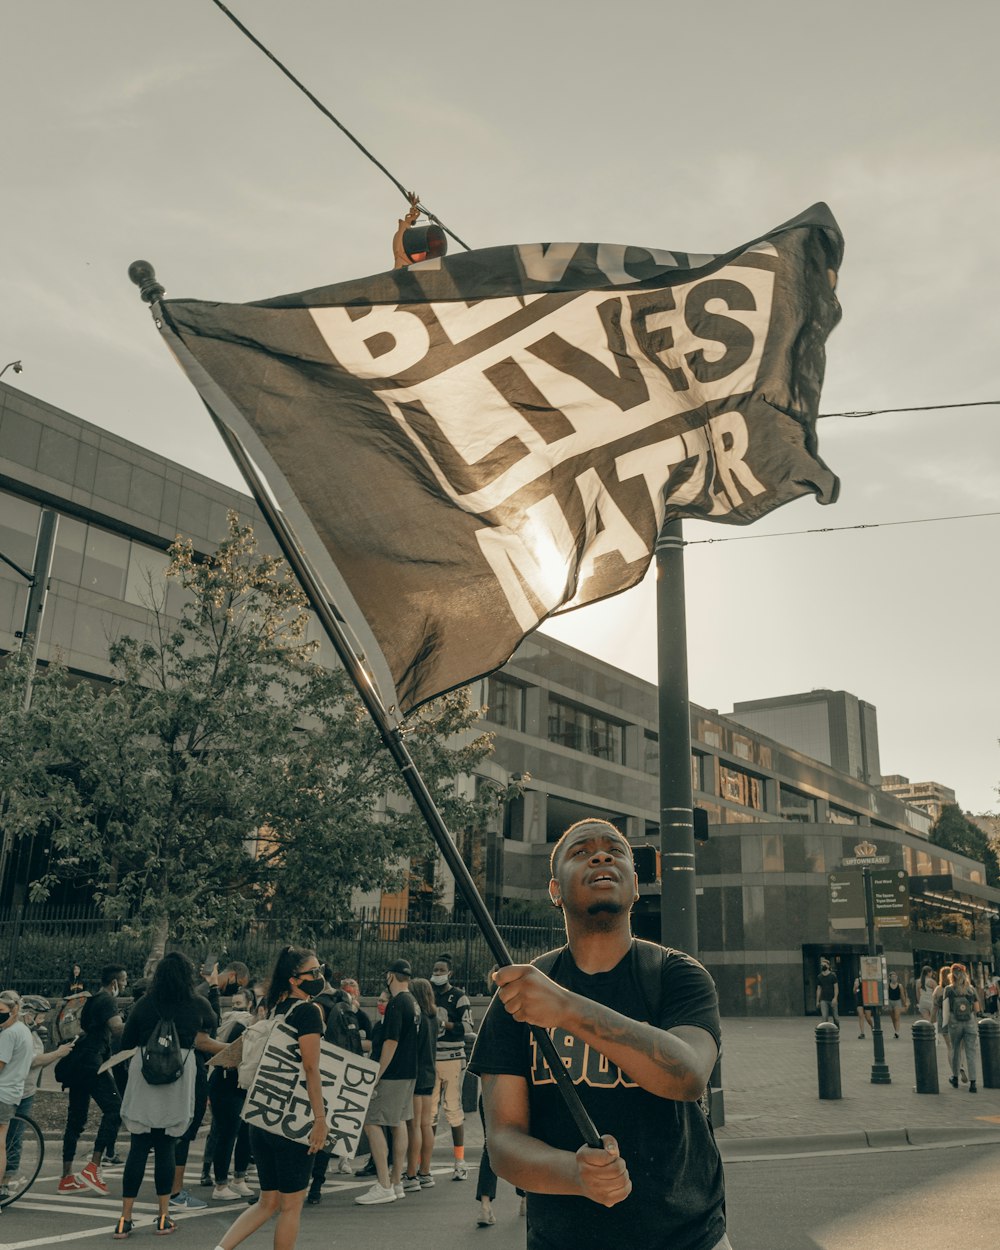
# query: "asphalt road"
864,1200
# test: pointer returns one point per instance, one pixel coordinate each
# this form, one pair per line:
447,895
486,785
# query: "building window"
105,563
740,787
841,816
146,583
505,703
796,806
651,753
573,727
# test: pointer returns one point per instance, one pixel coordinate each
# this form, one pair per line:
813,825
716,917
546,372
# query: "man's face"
122,980
595,874
441,969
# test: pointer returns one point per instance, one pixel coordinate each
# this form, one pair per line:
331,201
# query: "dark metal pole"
678,914
880,1069
141,273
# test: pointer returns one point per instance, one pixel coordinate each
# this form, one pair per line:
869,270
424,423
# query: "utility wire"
875,412
339,124
834,529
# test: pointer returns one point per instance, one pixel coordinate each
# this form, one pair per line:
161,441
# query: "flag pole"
143,275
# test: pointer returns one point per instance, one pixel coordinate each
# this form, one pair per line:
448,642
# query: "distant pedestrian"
937,1010
353,990
961,1006
827,992
864,1015
898,1001
420,1129
455,1012
229,1141
74,981
926,986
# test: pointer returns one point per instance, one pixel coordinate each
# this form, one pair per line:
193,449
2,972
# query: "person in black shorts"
283,1166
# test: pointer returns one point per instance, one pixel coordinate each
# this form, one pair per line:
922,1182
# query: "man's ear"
554,894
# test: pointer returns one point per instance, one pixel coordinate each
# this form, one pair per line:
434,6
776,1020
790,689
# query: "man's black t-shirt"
677,1198
95,1041
191,1017
827,982
400,1025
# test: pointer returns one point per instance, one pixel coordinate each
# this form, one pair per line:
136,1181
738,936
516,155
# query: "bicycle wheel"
25,1156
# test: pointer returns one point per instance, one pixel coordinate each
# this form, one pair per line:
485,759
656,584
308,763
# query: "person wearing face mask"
284,1167
455,1013
101,1023
392,1101
32,1007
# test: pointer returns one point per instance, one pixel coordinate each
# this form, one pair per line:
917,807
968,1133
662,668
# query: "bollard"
925,1058
989,1050
828,1060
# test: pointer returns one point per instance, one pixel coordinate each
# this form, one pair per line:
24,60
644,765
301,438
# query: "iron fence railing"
38,945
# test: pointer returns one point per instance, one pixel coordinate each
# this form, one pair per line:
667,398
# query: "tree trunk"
158,943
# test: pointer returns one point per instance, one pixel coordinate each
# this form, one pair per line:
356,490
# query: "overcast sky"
133,128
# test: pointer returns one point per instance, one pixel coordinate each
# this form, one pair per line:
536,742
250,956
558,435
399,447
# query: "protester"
284,1166
420,1129
74,981
378,1030
937,1010
231,980
206,987
156,1116
230,1133
898,1001
827,992
353,990
455,1013
16,1053
100,1021
656,1180
961,1005
864,1015
342,1031
486,1178
32,1007
392,1101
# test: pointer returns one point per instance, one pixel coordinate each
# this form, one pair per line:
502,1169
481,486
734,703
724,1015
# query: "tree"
224,772
956,832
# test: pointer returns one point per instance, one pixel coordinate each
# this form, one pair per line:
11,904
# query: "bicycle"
26,1148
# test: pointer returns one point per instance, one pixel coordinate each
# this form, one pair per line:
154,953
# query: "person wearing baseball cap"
392,1102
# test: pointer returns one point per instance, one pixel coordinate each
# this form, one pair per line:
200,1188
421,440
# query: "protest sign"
278,1100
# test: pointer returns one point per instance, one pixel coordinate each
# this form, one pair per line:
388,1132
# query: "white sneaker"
344,1167
376,1195
398,1190
241,1187
225,1193
461,1172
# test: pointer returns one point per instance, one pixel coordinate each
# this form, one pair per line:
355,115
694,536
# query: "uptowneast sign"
890,890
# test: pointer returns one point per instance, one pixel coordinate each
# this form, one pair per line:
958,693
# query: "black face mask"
312,986
4,1017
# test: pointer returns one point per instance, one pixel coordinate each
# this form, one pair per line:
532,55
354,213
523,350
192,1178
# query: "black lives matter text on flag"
471,445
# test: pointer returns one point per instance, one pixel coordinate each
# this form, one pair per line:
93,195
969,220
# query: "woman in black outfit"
74,981
158,1115
283,1166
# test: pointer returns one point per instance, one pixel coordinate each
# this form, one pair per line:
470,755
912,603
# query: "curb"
859,1139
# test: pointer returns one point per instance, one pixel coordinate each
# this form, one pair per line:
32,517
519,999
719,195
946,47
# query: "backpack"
255,1041
161,1058
342,1028
960,1007
68,1024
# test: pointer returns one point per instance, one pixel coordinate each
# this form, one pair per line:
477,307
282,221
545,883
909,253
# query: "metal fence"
39,945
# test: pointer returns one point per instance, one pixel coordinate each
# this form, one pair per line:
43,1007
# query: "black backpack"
961,1007
161,1057
342,1028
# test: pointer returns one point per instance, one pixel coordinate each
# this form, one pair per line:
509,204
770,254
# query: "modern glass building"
780,819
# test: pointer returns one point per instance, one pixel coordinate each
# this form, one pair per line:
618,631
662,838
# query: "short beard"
613,909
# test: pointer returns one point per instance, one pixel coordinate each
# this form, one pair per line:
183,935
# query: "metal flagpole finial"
142,273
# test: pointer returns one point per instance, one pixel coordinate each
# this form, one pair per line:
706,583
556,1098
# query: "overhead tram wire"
835,529
336,121
876,412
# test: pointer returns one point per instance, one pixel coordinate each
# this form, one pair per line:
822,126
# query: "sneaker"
523,1209
15,1185
972,1088
398,1189
314,1197
206,1180
91,1177
368,1169
461,1172
376,1195
224,1193
123,1229
70,1185
411,1184
426,1180
344,1167
953,1082
163,1224
485,1219
241,1187
112,1160
963,1076
185,1201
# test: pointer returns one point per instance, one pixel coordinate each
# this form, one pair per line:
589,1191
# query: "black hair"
110,971
445,959
606,827
173,983
240,969
289,960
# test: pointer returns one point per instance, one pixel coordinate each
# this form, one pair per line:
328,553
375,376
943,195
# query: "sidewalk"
770,1085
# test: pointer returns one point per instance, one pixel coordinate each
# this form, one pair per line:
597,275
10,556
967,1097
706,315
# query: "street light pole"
880,1069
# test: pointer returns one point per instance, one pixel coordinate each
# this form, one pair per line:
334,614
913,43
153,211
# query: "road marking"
59,1238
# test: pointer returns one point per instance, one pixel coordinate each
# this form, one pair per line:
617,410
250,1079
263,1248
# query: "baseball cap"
13,999
401,967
